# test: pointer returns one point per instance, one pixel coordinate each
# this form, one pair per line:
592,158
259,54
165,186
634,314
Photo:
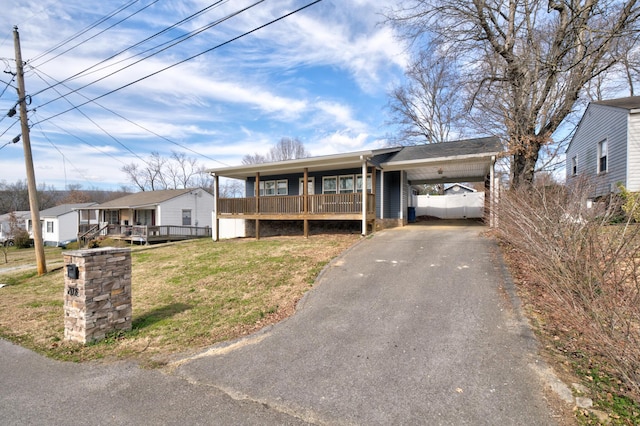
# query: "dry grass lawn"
185,296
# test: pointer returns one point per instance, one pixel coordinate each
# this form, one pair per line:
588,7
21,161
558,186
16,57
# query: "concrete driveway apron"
415,325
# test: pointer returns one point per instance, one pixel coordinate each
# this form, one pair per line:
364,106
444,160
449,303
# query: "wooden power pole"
28,160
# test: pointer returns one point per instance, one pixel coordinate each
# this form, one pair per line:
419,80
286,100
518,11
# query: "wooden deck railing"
339,204
145,233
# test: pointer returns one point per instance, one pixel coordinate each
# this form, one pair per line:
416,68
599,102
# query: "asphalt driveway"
416,325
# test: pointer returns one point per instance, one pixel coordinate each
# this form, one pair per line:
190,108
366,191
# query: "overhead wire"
100,32
182,61
84,30
91,70
97,125
137,124
179,40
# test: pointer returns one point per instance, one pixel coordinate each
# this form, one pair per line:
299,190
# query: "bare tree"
428,107
176,172
523,63
285,149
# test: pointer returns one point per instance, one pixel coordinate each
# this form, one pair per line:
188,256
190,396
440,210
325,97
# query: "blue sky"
321,75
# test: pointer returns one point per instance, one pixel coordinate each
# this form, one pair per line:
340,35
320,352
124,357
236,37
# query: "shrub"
631,203
21,238
586,270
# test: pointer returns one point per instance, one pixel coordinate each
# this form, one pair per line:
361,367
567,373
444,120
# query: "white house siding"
598,123
633,153
201,206
65,227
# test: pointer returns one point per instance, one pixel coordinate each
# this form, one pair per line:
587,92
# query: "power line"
97,125
185,60
100,32
136,124
185,20
190,35
84,30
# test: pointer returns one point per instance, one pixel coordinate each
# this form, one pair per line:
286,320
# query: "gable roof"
143,199
631,102
64,209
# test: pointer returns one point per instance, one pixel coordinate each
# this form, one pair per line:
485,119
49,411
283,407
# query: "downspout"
492,189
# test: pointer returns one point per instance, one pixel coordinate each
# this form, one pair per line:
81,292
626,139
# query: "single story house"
457,188
372,187
60,224
605,148
149,216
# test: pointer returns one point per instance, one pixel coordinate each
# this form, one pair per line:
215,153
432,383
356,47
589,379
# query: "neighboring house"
458,188
6,236
606,146
60,224
331,187
154,215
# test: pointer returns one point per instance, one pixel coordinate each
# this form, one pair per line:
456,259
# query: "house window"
602,156
329,185
346,184
359,183
274,187
186,217
574,166
50,226
112,217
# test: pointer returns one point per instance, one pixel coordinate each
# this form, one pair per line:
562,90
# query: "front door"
310,186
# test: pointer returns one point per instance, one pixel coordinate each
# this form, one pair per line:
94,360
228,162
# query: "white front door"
310,185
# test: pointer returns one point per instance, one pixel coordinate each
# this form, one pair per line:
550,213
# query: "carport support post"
492,193
364,195
305,202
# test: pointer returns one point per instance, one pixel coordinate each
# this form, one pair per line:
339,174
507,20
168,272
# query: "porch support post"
257,192
373,191
382,194
364,195
492,189
305,201
216,203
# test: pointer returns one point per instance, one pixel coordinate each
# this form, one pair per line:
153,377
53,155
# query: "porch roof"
467,160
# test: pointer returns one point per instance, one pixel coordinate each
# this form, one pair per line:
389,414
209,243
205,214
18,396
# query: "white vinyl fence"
459,206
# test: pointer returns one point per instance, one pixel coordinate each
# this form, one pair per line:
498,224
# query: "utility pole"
28,159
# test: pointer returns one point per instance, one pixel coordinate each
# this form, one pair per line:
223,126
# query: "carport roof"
461,160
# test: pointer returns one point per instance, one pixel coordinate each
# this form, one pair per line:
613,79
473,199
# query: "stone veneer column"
98,301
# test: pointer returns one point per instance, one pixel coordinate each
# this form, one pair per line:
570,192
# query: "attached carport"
471,160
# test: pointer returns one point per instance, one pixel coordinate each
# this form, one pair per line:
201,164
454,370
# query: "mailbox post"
97,296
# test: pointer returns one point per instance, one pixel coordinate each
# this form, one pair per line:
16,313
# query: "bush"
586,271
631,203
22,239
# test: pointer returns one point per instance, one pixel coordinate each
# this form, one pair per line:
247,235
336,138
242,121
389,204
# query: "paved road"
412,326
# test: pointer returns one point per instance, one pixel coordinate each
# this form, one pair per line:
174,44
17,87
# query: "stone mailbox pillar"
97,293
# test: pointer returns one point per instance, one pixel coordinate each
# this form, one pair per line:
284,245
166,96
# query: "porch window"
359,183
602,156
329,185
186,217
346,183
49,226
112,217
274,187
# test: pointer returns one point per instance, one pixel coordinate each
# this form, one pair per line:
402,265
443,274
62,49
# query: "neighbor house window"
274,187
330,185
49,226
602,156
112,217
574,166
186,217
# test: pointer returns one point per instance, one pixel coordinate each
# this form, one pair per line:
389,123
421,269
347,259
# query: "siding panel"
633,153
